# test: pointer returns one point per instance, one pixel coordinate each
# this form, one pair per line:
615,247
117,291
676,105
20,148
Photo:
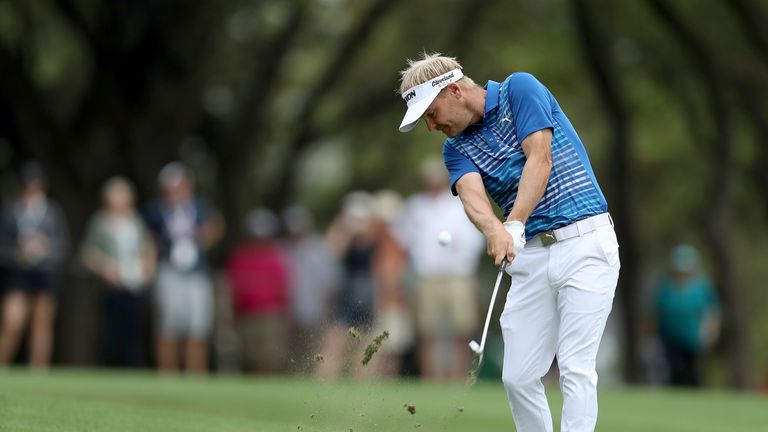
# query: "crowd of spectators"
288,297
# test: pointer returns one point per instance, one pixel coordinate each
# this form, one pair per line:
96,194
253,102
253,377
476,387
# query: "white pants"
558,304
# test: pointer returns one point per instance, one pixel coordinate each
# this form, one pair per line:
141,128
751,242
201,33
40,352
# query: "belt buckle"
548,238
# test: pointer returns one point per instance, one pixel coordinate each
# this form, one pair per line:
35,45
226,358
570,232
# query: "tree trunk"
754,108
595,46
719,225
753,22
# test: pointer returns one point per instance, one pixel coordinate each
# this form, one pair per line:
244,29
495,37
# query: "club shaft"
490,306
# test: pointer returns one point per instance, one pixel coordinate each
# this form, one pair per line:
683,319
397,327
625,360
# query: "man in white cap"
512,141
445,274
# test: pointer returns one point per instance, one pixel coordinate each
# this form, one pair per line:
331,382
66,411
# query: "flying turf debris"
355,333
374,346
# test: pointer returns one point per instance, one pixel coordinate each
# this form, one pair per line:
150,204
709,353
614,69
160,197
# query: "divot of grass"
411,408
373,347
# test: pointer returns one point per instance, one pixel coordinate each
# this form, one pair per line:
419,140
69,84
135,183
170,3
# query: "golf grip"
490,306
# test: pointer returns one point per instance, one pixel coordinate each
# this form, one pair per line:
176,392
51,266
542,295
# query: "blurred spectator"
185,227
352,238
33,241
315,276
119,250
686,316
446,307
259,275
393,311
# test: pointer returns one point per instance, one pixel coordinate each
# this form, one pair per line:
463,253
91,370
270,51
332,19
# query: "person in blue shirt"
687,316
511,141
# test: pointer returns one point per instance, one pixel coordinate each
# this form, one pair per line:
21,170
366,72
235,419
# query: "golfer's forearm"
535,176
476,204
482,217
533,183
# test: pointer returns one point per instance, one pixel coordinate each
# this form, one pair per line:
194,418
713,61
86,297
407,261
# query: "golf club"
473,345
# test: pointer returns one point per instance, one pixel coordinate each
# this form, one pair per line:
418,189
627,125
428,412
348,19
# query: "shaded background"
275,102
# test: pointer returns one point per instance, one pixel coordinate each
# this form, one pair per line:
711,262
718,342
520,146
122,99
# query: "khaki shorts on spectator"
183,303
447,304
263,342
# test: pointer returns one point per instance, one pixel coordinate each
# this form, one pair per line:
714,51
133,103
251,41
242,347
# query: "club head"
474,346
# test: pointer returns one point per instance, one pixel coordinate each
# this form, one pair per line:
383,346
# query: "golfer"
512,141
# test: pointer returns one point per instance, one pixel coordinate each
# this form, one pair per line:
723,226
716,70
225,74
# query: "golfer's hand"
516,230
501,246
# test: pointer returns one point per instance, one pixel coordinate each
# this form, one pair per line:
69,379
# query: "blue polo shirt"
681,309
514,109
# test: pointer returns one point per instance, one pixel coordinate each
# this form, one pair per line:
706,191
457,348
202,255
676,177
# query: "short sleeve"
531,104
457,165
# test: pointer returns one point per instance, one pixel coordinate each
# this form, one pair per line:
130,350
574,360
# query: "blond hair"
429,66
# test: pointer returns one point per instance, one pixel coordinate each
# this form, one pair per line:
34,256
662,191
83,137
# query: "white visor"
420,97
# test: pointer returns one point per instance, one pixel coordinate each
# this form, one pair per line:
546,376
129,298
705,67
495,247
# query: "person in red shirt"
258,272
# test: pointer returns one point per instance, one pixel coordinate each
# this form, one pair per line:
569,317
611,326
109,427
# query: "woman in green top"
119,251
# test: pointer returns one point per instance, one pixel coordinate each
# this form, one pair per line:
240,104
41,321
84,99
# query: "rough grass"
71,400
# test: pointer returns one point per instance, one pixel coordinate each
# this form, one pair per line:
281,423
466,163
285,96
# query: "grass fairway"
67,400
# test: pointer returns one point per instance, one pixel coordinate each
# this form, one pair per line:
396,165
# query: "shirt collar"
491,96
491,103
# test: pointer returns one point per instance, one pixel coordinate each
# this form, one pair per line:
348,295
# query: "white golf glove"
517,230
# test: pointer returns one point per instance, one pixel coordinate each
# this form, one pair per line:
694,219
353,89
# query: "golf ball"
444,238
